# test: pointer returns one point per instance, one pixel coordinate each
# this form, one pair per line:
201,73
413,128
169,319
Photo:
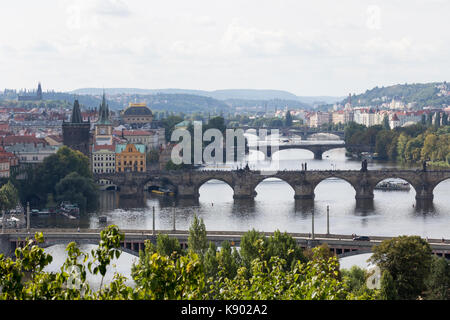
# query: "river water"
391,213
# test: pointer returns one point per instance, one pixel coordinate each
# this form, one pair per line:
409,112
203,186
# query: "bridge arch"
439,183
106,184
324,135
308,154
275,179
336,178
155,183
414,184
317,149
202,182
65,242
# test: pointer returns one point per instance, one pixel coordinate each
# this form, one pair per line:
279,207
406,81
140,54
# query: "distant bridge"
316,149
301,132
341,245
186,183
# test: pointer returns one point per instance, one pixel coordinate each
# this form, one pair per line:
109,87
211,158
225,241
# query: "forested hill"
436,94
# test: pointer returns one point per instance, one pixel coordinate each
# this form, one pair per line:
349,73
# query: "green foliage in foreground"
166,271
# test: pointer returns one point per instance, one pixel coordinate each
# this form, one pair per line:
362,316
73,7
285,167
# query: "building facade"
36,97
148,138
319,118
76,133
104,159
137,113
130,158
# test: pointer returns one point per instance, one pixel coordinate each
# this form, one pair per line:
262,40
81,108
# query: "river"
391,213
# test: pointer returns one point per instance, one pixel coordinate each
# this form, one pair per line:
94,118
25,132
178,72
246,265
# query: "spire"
103,113
76,113
39,92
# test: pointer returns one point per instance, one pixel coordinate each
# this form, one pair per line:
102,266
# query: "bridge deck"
218,236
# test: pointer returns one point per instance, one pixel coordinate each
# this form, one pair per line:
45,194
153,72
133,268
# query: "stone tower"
76,133
103,126
39,92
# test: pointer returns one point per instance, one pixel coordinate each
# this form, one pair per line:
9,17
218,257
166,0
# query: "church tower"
39,92
103,126
76,133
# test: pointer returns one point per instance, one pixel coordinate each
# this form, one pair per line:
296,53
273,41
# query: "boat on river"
393,186
163,192
69,209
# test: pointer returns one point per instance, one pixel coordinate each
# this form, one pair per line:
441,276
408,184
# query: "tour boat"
393,186
69,208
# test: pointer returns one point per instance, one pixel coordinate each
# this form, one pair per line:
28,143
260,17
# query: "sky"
309,48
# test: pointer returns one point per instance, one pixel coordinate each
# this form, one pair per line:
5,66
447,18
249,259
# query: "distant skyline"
320,48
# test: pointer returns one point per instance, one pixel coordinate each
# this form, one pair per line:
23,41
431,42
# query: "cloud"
250,41
111,7
93,14
402,50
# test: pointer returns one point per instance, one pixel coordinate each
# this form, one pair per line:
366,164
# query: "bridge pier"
244,191
304,191
318,154
188,191
364,190
130,190
423,193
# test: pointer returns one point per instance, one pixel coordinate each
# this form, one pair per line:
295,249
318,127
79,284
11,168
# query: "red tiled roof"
58,138
10,140
132,133
110,147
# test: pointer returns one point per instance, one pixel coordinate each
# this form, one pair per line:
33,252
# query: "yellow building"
130,157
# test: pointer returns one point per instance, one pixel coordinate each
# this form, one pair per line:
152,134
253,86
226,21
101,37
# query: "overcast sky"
306,47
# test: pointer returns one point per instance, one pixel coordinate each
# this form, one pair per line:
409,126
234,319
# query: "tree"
167,246
388,289
54,168
288,121
408,260
9,198
210,261
437,120
438,281
430,120
384,141
77,189
216,123
251,243
316,280
285,247
227,264
386,125
355,279
197,241
153,156
445,119
423,119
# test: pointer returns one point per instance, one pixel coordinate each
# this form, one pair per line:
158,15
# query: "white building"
103,159
319,118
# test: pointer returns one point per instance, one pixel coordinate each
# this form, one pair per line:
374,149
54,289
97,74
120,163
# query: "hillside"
226,94
435,94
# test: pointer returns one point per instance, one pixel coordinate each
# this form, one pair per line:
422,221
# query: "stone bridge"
316,149
186,183
304,134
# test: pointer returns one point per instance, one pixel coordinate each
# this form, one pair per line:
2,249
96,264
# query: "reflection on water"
359,260
121,265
